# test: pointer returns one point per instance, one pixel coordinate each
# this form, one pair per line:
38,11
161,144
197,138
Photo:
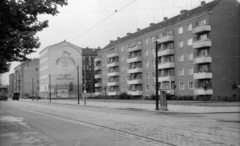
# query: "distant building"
88,68
198,55
11,84
58,70
26,79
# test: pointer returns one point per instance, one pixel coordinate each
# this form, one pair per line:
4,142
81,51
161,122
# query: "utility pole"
32,89
85,80
49,87
156,65
78,82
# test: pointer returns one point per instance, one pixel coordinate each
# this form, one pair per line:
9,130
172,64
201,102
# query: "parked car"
3,98
16,96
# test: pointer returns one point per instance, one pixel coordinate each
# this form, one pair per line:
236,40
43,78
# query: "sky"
93,23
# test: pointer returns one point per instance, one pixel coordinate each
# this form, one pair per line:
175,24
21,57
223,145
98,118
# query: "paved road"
153,127
24,127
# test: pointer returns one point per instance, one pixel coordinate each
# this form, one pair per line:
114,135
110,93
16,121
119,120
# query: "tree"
70,88
19,24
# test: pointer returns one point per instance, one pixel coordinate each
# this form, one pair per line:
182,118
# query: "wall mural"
65,60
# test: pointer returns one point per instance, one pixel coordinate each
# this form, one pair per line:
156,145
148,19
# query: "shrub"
124,95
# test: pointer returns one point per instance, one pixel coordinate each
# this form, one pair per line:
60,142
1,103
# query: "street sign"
165,85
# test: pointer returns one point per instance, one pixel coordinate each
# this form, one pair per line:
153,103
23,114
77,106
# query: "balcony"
113,83
166,78
202,75
201,29
97,76
202,59
113,54
113,74
97,59
136,92
97,67
98,93
113,64
134,48
112,93
134,81
201,91
166,39
98,84
166,65
134,70
202,44
165,52
134,59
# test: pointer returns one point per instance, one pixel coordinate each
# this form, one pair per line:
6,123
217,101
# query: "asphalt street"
66,124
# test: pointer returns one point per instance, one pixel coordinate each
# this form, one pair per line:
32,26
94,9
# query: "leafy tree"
19,24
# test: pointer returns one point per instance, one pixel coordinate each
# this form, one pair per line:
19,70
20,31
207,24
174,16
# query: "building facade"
26,78
59,71
88,55
11,85
198,54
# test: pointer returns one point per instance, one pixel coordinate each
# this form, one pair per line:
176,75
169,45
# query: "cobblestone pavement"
180,128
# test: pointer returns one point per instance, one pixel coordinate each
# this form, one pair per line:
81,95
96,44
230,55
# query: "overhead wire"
116,10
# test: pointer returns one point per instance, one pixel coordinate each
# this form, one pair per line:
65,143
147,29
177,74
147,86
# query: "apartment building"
25,79
58,70
198,54
11,85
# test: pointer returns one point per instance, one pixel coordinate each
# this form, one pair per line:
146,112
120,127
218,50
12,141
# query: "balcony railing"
165,39
201,29
202,43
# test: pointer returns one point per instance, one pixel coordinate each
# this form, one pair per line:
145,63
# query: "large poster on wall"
62,93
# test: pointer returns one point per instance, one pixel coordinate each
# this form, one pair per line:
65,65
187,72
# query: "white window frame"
181,57
180,44
181,87
181,71
192,85
180,30
146,52
189,70
147,87
190,42
190,56
189,27
147,75
146,40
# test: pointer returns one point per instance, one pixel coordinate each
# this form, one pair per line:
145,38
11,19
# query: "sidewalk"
172,108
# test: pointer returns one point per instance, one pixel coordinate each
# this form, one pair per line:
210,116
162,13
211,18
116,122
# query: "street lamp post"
156,65
49,87
78,82
32,88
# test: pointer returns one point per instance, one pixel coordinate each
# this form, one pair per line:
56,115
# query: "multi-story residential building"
26,78
11,85
58,71
198,54
88,55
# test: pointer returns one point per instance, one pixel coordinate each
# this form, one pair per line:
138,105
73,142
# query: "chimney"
203,3
118,38
128,34
165,18
138,29
151,24
183,11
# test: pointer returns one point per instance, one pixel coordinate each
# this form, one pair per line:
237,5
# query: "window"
190,41
123,68
153,51
181,86
201,22
190,85
190,70
180,44
181,58
153,63
146,40
180,30
203,37
170,32
147,87
190,56
189,27
146,52
122,49
152,39
181,72
147,75
147,64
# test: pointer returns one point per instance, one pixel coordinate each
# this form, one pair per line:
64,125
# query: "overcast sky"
74,22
